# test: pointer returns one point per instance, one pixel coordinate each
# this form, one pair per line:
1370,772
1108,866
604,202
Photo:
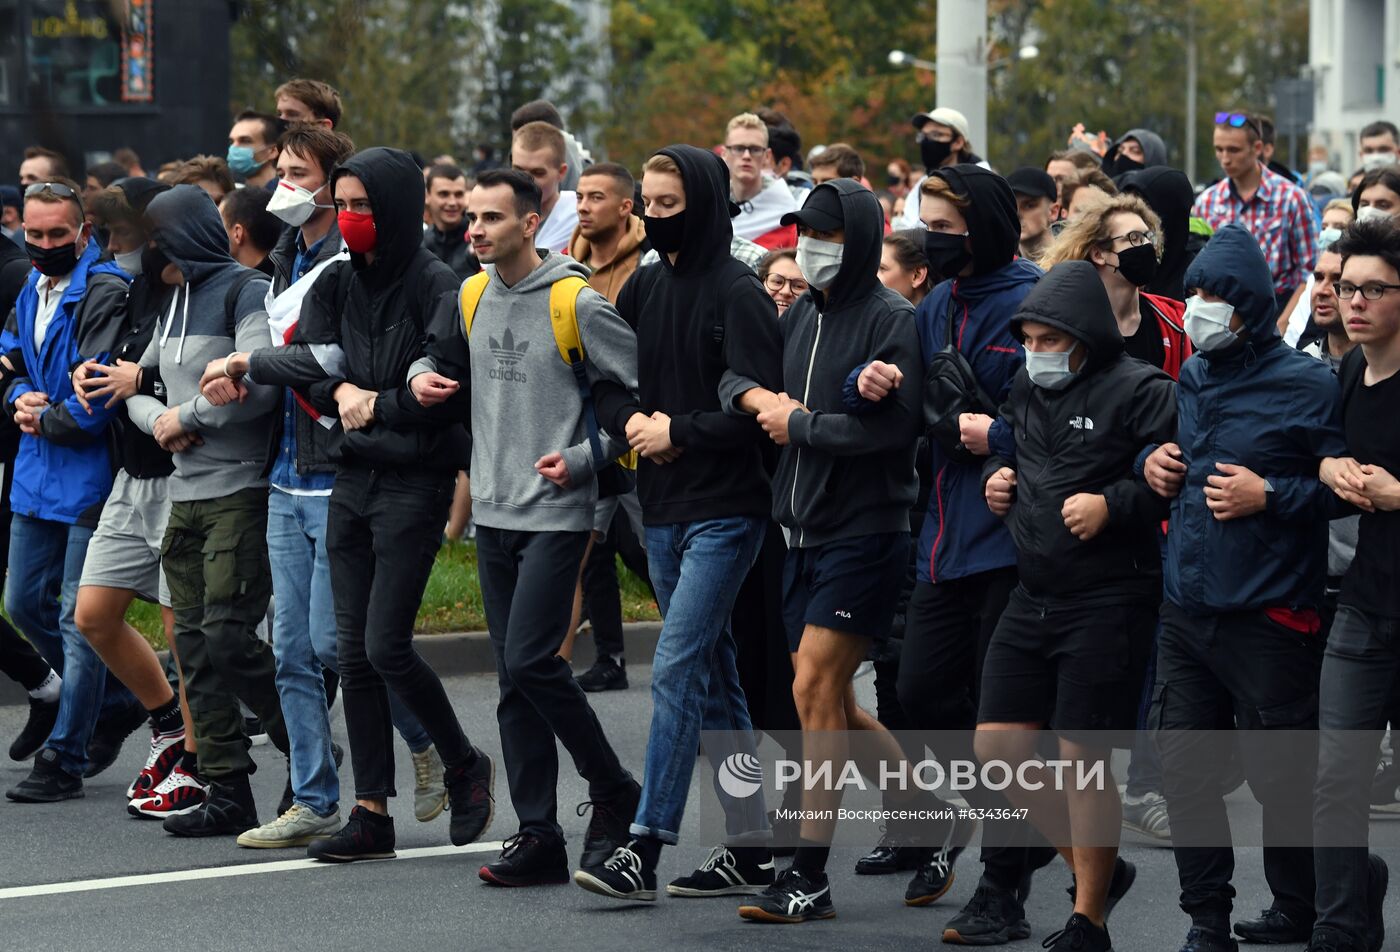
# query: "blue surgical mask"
1208,324
1328,238
240,160
1050,371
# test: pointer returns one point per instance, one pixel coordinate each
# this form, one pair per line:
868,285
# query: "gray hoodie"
233,456
525,402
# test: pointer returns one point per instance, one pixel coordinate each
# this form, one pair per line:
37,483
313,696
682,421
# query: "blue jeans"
45,569
696,570
303,641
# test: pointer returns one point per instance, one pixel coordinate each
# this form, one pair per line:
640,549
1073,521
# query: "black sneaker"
285,804
109,735
609,826
528,860
727,873
1273,927
991,917
1208,940
471,798
42,717
934,878
1375,903
795,897
366,835
1124,875
606,674
47,782
887,858
1330,940
227,810
1080,935
624,875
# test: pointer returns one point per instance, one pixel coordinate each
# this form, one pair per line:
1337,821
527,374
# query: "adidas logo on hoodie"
508,353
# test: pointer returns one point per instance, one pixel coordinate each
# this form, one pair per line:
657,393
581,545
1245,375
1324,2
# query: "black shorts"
851,585
1076,664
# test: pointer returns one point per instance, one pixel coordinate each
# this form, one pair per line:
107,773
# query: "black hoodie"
846,474
1167,192
696,320
365,324
1084,439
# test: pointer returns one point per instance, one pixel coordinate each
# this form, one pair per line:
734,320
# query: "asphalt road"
431,899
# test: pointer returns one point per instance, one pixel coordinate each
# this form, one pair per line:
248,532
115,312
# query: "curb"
461,653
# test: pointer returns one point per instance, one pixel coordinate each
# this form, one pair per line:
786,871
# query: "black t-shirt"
1373,436
1146,342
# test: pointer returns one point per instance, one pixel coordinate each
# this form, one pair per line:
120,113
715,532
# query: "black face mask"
666,234
1121,165
1138,265
934,153
153,262
947,254
53,262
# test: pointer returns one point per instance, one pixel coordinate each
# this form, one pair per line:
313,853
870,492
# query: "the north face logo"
1081,423
508,353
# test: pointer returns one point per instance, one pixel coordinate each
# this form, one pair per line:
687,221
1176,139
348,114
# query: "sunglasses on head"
1236,120
53,188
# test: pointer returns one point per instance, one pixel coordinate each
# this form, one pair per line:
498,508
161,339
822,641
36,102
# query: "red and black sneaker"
166,751
471,798
366,835
179,793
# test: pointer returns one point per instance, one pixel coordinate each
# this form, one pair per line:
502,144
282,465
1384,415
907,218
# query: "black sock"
189,760
751,855
649,849
810,858
166,718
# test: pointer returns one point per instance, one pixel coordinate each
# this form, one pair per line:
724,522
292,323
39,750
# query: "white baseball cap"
944,116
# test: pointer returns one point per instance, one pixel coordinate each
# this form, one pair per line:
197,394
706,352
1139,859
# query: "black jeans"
382,534
1358,691
526,586
602,598
946,631
1266,674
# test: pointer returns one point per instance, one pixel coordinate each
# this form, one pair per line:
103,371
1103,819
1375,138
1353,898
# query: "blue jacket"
65,474
1267,407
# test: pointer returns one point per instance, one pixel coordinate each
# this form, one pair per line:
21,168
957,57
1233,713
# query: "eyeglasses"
746,149
53,188
1238,120
776,282
1135,238
1371,290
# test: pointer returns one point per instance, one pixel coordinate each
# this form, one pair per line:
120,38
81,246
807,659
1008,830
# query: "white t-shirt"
556,230
48,306
1298,320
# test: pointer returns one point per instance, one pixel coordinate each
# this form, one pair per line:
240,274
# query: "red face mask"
357,229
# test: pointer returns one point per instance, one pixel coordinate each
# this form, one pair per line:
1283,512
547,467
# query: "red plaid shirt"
1280,218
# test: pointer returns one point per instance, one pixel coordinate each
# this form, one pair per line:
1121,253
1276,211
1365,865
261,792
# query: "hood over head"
394,183
139,191
708,230
1232,267
1167,192
1154,150
187,226
863,222
1071,297
992,221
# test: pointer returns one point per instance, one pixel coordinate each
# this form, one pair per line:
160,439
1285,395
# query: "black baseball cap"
1029,180
821,211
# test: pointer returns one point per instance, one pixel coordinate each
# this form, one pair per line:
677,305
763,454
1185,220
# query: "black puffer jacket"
453,249
364,323
1083,439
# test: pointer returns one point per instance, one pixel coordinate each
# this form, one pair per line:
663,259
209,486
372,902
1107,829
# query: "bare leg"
461,512
566,650
167,616
100,615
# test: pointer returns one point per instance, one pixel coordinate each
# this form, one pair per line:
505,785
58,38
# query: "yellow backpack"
563,318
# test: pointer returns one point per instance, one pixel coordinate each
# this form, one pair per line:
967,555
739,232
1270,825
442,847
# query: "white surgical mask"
1372,213
129,261
819,261
1208,324
1328,238
1317,167
293,204
1377,160
1050,371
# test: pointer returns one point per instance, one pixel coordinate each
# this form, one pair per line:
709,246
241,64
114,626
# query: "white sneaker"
429,792
297,827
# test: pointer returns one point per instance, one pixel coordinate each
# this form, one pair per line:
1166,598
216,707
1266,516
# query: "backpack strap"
469,296
563,317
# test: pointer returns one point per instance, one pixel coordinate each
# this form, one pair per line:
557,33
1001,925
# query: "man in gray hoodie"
535,450
215,549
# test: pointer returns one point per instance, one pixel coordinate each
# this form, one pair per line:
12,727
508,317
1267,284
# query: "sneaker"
609,827
795,897
429,793
1124,875
367,835
288,798
180,792
166,751
1147,815
1375,903
1330,940
1080,935
528,860
297,827
1273,927
606,674
1199,939
887,858
991,917
227,810
726,874
47,782
934,878
1384,798
252,726
623,875
42,717
109,735
472,799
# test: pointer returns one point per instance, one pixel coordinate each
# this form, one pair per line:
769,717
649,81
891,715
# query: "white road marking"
223,872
